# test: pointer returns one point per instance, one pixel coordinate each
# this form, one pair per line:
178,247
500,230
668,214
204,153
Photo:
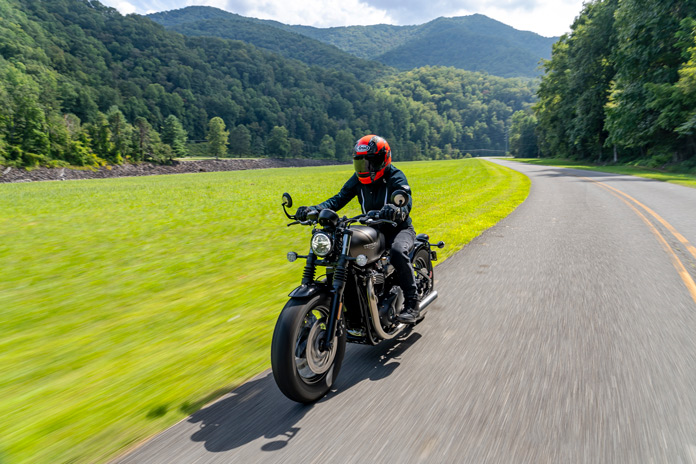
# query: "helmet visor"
368,163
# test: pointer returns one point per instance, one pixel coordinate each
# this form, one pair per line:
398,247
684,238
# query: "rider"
374,181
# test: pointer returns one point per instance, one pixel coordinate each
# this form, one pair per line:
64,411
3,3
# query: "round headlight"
321,244
361,260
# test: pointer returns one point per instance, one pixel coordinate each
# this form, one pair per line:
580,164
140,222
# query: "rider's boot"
411,311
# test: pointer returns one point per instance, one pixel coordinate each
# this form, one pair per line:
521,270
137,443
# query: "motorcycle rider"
373,182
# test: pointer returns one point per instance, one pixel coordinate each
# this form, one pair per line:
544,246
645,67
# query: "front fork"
339,284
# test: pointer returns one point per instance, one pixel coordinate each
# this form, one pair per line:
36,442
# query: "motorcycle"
356,301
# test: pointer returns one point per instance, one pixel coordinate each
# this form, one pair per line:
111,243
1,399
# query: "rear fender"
417,247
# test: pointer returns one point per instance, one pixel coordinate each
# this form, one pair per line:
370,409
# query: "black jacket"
372,196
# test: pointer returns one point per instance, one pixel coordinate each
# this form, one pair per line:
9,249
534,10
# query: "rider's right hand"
301,213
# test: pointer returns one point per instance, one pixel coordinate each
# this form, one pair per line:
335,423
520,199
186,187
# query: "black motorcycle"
356,300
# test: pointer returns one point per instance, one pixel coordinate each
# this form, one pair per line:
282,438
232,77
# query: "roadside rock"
8,174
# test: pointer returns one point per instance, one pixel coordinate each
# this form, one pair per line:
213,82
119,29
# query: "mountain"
207,21
83,85
474,43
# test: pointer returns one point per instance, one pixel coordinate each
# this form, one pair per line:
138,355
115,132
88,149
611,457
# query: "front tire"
303,372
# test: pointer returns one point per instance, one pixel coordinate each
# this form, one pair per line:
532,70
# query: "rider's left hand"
390,212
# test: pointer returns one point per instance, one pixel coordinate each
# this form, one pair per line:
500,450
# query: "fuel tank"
367,241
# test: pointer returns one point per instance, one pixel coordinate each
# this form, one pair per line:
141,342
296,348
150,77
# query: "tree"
278,144
344,144
25,121
174,135
327,147
100,134
240,140
142,139
218,137
120,135
523,140
296,148
647,58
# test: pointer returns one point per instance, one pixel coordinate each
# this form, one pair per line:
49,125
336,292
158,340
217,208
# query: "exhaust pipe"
426,301
374,313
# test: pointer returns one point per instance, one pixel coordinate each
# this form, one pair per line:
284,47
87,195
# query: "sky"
545,17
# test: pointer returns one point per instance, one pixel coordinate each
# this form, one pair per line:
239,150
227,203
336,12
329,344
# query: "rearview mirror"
287,200
399,198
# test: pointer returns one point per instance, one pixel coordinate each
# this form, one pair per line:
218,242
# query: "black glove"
301,213
390,213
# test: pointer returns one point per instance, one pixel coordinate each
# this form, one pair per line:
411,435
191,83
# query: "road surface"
566,333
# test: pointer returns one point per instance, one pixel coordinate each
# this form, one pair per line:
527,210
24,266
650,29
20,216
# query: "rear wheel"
423,268
303,372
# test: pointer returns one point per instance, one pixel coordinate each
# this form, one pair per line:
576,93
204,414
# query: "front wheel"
302,371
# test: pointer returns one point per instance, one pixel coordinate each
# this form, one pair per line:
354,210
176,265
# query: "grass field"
687,180
129,303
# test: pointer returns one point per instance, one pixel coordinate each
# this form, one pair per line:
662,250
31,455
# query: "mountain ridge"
474,43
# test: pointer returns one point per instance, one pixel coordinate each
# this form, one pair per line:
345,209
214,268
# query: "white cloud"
548,18
318,13
122,6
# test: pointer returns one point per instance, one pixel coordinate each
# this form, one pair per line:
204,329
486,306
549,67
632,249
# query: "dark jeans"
401,243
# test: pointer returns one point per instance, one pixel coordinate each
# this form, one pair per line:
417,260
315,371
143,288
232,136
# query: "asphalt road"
565,334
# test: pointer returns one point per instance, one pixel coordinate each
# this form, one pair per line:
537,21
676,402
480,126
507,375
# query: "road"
564,334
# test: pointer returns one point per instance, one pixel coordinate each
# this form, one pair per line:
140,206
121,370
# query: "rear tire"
303,372
423,268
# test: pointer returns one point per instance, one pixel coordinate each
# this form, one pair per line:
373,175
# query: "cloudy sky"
545,17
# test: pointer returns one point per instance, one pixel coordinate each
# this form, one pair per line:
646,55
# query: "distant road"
565,334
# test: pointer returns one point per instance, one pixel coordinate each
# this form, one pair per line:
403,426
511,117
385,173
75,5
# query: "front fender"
308,290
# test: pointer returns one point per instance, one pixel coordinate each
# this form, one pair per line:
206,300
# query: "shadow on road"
258,409
578,173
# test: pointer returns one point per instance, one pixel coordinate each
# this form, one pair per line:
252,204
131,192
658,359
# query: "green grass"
688,180
128,303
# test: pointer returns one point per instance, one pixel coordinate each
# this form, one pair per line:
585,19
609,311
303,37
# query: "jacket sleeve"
342,198
399,182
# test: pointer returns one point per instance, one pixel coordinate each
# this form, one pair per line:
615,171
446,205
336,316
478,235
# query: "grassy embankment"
688,180
127,303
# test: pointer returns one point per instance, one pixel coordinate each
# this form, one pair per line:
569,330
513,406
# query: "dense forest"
212,22
473,43
621,86
84,85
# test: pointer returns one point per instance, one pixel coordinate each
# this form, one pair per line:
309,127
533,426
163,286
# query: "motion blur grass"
129,303
688,180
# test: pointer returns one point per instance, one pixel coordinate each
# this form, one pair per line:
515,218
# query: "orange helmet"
371,157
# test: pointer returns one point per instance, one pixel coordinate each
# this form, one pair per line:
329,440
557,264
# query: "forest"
474,43
86,86
620,87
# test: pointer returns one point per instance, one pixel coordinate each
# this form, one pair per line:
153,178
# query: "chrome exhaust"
374,313
426,301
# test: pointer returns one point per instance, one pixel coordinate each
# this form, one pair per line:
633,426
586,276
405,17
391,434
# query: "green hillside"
211,22
84,85
367,42
474,43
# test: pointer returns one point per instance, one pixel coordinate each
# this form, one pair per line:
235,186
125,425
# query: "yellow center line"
667,225
683,273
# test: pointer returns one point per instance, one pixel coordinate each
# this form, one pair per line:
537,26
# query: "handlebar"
371,218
